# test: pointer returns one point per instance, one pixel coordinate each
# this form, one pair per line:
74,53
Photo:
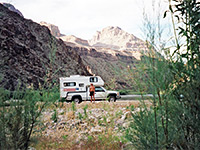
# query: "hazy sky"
83,18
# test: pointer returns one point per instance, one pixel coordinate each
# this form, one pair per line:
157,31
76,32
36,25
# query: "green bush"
20,112
85,110
123,92
172,122
54,116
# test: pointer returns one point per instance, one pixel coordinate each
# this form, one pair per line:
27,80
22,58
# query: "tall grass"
173,120
20,112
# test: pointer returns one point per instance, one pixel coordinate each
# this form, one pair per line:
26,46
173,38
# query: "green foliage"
20,109
17,119
119,113
187,74
65,137
80,116
54,116
105,121
85,110
73,106
141,130
132,108
173,120
19,114
90,138
123,92
100,122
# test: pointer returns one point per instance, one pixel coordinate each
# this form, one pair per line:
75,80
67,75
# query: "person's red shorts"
92,93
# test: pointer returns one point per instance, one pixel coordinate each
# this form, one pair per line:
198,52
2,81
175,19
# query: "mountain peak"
117,39
11,8
54,29
112,28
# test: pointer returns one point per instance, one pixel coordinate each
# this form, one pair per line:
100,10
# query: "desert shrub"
141,130
54,116
123,92
173,120
85,111
20,112
73,107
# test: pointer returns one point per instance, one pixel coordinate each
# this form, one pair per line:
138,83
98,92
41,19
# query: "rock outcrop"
115,38
74,41
30,55
12,8
112,67
110,54
54,29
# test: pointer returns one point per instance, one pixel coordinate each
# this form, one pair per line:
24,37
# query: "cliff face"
74,41
115,38
112,67
30,55
110,54
12,8
109,62
53,29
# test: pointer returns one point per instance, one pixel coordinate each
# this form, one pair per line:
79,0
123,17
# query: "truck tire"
77,100
112,98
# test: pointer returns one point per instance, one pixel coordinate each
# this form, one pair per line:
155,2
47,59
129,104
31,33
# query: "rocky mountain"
112,57
74,41
30,55
110,54
54,29
70,40
115,38
12,8
112,67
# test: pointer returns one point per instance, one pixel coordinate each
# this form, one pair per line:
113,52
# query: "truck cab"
76,88
102,93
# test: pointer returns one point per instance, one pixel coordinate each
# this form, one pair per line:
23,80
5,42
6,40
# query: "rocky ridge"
109,54
115,38
112,40
74,41
30,55
54,29
12,8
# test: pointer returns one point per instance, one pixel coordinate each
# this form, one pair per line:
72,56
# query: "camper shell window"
69,84
93,79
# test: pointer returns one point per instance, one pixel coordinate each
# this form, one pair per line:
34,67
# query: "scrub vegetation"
169,120
172,122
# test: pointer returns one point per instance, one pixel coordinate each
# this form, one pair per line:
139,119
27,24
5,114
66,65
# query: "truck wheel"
77,100
112,98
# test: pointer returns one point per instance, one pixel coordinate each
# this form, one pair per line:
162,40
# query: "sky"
82,18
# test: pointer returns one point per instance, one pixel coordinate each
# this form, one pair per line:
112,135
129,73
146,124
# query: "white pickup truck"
76,88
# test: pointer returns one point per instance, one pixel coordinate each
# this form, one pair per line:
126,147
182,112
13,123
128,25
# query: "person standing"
92,92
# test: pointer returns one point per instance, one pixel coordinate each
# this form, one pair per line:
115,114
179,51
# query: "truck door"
88,93
99,93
